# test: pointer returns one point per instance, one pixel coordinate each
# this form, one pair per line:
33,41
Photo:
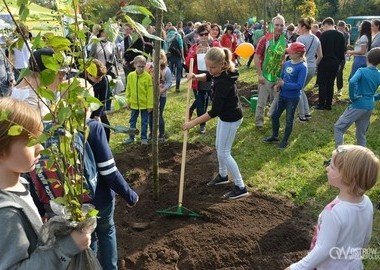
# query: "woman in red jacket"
201,89
229,40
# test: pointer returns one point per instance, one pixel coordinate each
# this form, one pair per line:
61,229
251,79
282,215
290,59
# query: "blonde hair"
139,59
222,56
358,166
19,113
163,59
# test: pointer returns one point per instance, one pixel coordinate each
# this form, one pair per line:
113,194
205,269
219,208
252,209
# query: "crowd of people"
285,61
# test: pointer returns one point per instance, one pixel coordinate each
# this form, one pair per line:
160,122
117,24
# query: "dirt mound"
257,232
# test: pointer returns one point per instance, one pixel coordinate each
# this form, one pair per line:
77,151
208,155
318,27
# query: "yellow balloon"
245,50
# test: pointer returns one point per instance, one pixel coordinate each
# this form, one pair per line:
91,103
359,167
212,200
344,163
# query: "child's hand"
82,238
280,82
191,76
187,126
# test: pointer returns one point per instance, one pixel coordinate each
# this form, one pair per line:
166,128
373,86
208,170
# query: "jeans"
225,136
161,122
349,116
103,239
290,105
359,61
176,61
144,122
201,101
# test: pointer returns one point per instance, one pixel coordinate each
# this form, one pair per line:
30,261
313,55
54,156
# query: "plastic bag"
119,86
85,260
60,226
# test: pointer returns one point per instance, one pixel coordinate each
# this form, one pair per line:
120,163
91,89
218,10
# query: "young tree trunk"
156,100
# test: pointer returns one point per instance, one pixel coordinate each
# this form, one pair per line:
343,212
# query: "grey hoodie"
19,230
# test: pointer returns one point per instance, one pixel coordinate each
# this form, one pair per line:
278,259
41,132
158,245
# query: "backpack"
172,46
43,179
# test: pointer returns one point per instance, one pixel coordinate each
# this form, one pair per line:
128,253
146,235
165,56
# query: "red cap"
296,47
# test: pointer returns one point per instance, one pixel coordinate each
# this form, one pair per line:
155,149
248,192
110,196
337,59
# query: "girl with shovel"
226,105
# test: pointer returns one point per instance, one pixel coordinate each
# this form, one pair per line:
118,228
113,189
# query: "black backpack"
173,47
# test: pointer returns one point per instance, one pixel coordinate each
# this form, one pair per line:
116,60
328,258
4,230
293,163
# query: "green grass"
296,172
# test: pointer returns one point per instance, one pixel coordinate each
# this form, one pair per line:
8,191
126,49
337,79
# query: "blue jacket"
294,76
362,88
110,180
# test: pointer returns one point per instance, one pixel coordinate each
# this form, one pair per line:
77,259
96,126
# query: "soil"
256,232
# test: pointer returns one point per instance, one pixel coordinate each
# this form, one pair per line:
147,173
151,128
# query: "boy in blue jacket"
362,89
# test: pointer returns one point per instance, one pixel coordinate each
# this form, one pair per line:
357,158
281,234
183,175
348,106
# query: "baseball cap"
296,47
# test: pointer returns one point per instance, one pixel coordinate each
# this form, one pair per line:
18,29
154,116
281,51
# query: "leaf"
15,130
4,115
23,12
94,103
133,9
158,4
46,93
92,213
50,63
112,30
59,43
142,30
64,114
24,73
47,77
92,70
60,200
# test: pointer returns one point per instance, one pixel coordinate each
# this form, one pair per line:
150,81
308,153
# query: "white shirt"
29,96
21,58
342,227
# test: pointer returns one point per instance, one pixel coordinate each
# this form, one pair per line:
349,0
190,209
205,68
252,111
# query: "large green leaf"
23,12
46,93
47,77
133,9
59,43
50,63
92,70
142,30
64,114
112,30
158,4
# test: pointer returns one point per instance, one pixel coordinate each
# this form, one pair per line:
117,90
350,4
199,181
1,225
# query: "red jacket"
192,53
229,42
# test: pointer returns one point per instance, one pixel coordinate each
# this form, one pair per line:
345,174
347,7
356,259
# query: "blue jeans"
290,105
177,62
103,239
161,121
144,122
359,61
201,101
225,136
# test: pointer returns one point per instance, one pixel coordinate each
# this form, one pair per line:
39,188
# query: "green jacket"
139,91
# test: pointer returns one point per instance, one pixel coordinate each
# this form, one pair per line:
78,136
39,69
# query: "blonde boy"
139,94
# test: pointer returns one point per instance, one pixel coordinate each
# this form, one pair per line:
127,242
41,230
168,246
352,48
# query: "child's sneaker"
236,193
129,141
282,145
218,180
270,140
202,130
308,116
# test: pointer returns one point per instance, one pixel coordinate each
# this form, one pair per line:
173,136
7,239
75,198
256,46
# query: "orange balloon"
245,50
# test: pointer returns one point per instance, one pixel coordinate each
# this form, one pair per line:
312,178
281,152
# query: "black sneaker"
236,193
271,140
308,116
319,108
282,145
218,180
